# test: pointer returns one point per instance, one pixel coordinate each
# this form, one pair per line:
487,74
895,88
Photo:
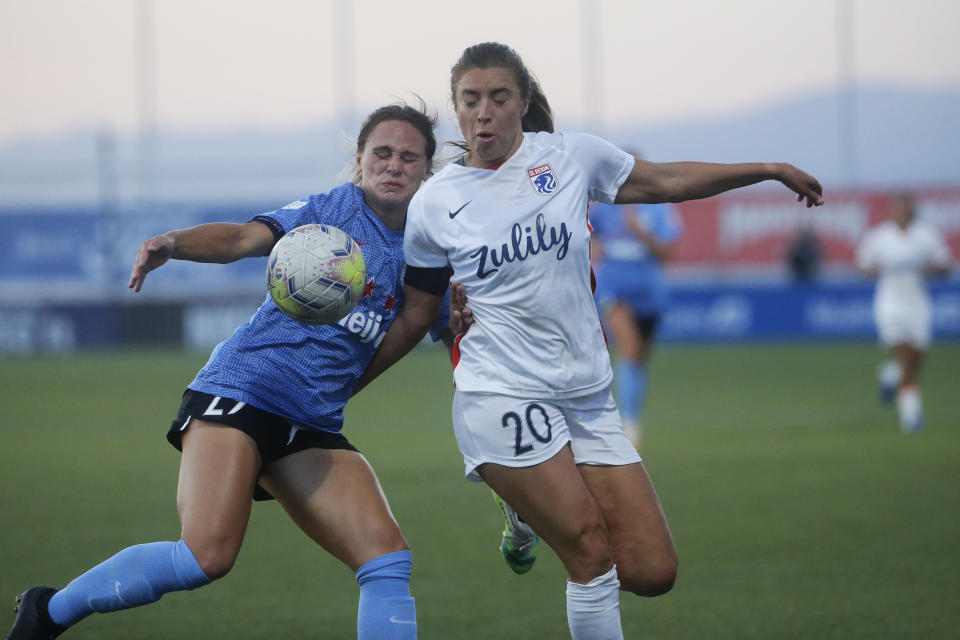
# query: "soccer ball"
316,274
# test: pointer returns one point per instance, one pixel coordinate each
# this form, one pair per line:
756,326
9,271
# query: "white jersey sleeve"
420,248
607,166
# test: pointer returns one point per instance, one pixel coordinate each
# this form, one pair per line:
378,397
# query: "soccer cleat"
33,622
519,544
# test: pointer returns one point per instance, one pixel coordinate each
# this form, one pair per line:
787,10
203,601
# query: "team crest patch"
543,178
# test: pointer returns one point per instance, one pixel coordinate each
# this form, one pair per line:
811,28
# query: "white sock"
910,407
593,609
889,373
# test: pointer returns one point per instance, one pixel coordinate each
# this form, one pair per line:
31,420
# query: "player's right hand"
802,183
151,254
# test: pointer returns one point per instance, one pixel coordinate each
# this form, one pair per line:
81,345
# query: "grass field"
798,507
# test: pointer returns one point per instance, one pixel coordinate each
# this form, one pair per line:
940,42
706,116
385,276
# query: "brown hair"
493,54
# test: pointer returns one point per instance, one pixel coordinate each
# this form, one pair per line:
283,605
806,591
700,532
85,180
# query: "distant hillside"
904,138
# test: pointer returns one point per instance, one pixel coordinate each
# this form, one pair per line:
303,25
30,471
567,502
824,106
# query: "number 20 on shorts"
513,419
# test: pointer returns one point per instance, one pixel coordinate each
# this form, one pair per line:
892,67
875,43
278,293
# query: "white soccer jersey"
899,256
517,239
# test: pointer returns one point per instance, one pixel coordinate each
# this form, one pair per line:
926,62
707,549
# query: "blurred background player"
630,244
803,254
900,252
263,417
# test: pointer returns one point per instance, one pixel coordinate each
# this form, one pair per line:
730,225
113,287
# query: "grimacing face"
489,107
393,164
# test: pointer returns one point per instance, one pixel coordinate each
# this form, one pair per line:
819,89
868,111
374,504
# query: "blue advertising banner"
790,312
84,255
51,245
64,274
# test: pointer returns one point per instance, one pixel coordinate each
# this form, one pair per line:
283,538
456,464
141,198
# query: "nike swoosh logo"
394,619
453,214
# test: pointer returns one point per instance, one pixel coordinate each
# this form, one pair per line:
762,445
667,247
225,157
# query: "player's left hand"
461,317
803,184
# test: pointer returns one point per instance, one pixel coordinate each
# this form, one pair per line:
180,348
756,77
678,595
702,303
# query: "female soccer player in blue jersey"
629,245
263,417
533,414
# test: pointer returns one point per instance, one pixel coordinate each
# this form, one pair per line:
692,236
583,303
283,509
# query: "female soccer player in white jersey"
899,253
265,413
533,413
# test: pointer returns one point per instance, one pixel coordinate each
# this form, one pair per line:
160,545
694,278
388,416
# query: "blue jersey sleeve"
291,216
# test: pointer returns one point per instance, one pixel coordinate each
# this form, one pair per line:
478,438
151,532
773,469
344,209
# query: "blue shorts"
645,297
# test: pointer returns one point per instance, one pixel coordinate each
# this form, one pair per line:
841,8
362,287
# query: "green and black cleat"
520,542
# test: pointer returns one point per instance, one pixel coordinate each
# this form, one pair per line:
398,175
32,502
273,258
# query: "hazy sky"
283,64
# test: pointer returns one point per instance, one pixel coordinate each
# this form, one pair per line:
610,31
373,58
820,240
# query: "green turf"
798,507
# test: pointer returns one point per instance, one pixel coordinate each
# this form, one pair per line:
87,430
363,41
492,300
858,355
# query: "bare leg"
218,472
909,403
642,545
911,359
623,325
553,499
334,497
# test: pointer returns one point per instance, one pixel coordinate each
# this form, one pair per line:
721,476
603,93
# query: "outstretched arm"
415,318
214,242
651,182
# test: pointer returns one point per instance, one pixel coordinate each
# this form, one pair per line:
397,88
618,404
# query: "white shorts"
522,432
899,324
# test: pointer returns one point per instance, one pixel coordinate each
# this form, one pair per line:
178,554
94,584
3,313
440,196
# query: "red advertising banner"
744,229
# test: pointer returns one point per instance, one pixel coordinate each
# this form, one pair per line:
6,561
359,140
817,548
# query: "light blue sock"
630,383
386,611
137,575
641,388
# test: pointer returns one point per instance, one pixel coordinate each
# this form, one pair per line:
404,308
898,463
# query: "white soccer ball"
316,274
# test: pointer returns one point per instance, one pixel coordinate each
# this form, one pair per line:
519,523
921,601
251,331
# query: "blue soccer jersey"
627,271
301,372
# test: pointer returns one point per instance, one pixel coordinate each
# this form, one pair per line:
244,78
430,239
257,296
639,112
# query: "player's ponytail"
538,116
